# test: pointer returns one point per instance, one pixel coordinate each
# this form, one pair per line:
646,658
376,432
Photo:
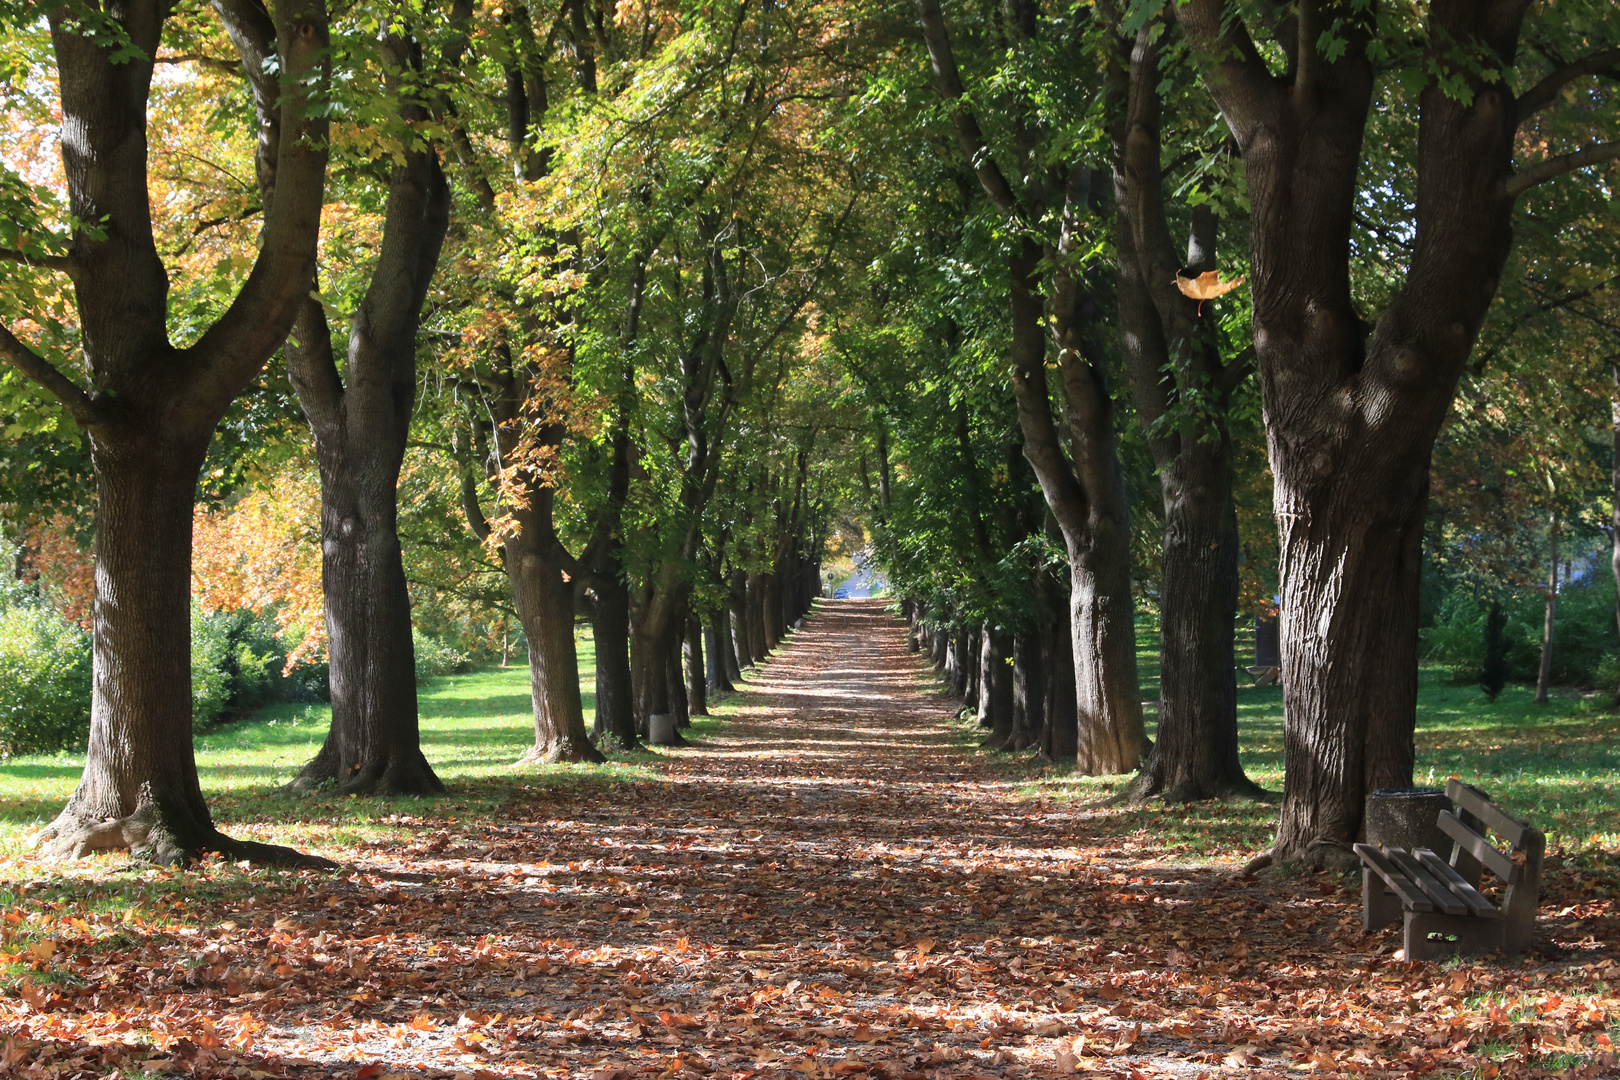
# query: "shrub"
44,680
434,658
1584,633
235,663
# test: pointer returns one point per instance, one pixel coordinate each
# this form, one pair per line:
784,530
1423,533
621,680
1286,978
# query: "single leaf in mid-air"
1207,286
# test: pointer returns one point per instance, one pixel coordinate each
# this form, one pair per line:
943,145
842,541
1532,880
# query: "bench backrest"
1519,867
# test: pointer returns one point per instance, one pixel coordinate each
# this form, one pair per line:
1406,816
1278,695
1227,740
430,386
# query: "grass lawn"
474,726
1556,765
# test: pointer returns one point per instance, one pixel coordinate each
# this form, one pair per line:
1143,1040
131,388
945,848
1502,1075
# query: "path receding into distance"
836,884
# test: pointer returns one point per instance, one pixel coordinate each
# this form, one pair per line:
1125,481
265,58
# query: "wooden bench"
1442,898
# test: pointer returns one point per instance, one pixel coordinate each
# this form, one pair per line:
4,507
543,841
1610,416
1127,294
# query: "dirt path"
835,885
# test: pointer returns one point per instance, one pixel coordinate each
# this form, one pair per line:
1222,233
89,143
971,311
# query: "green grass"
474,726
1557,765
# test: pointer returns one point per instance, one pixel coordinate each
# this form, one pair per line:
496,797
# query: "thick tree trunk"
545,605
650,674
1549,613
361,427
139,789
960,663
151,409
1352,416
615,691
697,700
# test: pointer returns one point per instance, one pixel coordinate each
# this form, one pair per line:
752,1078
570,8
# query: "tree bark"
737,598
615,700
545,606
1029,691
1061,742
1614,484
361,427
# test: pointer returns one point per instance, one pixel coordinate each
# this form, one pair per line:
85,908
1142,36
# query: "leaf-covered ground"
836,884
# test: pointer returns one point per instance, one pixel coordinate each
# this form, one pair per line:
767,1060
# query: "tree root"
578,751
149,838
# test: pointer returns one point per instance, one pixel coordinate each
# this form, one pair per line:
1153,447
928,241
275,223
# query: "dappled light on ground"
835,883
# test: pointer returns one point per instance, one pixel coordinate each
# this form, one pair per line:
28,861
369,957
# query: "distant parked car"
841,594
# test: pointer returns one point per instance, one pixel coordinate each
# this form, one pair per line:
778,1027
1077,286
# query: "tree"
1353,407
151,406
1183,389
361,418
1084,488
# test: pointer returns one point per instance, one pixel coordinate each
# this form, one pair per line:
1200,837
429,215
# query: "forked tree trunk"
545,606
150,409
1173,357
361,421
1352,416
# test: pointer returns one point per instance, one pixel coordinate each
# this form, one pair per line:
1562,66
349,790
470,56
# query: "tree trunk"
1173,357
719,652
996,689
615,693
680,706
374,744
1549,612
151,409
649,663
1029,691
545,606
139,789
697,700
737,597
758,646
1062,717
1352,415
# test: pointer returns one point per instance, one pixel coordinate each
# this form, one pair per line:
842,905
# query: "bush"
44,680
235,663
434,658
1584,633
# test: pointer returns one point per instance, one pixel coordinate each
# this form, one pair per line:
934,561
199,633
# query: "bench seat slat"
1509,828
1411,896
1479,847
1476,902
1440,896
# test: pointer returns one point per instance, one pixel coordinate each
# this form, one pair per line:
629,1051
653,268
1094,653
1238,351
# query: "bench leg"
1379,906
1474,936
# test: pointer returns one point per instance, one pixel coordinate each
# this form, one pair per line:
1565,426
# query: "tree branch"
948,81
34,366
1554,167
1541,95
1235,73
43,262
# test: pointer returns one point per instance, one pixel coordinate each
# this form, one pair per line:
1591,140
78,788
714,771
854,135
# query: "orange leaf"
1207,286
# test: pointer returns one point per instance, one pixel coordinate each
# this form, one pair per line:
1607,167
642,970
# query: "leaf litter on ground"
834,886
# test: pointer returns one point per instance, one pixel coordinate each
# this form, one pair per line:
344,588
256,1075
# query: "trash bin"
1406,818
661,729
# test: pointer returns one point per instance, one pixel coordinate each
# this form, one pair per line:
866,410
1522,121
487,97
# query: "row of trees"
605,235
650,292
1090,179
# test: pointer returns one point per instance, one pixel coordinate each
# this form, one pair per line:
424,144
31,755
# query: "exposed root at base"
148,838
579,752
